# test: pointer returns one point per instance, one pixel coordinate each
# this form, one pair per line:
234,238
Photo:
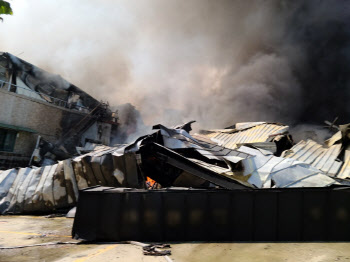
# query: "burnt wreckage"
241,193
44,118
178,185
245,182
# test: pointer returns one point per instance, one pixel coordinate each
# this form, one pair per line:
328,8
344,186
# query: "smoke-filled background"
218,62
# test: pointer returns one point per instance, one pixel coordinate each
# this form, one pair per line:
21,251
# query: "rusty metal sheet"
91,179
96,168
59,186
79,175
71,183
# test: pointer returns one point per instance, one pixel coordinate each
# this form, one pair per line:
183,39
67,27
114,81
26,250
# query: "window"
7,140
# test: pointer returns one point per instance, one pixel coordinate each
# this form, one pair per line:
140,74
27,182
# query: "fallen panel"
322,158
180,162
245,133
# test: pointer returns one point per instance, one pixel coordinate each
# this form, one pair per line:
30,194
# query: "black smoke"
218,62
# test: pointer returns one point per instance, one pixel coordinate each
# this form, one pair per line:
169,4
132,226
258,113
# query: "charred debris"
247,156
171,184
220,186
44,118
249,181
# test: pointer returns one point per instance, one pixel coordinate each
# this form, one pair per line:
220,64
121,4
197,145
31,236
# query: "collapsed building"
240,194
214,185
44,118
228,159
169,184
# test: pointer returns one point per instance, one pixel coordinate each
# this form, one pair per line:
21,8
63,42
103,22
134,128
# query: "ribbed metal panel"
49,188
259,133
345,171
310,152
44,189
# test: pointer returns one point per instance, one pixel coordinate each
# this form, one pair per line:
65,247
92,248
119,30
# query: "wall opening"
7,140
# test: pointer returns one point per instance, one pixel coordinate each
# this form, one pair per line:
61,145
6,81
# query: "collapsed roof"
79,116
32,81
332,158
270,136
171,157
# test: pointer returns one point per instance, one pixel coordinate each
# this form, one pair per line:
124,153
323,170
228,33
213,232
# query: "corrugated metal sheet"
310,152
245,125
266,169
50,188
257,133
259,167
42,189
45,189
345,170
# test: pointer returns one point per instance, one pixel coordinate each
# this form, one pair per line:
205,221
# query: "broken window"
7,140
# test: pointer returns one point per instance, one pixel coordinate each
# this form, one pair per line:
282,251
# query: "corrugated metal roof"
284,172
42,189
245,125
310,152
345,170
258,133
49,188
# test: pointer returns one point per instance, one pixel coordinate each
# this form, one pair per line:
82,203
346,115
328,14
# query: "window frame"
7,139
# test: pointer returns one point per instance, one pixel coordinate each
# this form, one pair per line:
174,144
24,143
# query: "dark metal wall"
302,214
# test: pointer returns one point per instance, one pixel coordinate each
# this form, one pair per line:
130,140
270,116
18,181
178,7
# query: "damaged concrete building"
43,118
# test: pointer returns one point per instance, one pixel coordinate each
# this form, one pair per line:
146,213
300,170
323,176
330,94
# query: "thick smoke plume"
218,62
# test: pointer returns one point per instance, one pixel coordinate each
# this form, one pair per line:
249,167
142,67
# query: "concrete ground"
28,230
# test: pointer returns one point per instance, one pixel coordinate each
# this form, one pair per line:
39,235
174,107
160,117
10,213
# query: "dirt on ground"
28,230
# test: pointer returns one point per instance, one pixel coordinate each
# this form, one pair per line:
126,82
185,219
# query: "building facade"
42,111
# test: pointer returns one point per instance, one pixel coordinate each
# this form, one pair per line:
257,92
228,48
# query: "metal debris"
249,133
172,157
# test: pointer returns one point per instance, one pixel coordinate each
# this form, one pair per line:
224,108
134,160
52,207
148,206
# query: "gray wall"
46,119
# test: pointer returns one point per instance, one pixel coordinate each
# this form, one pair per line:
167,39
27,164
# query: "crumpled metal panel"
126,170
310,152
50,188
43,189
266,169
256,132
226,172
345,170
257,167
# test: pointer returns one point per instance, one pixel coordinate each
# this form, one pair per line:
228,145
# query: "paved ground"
27,230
